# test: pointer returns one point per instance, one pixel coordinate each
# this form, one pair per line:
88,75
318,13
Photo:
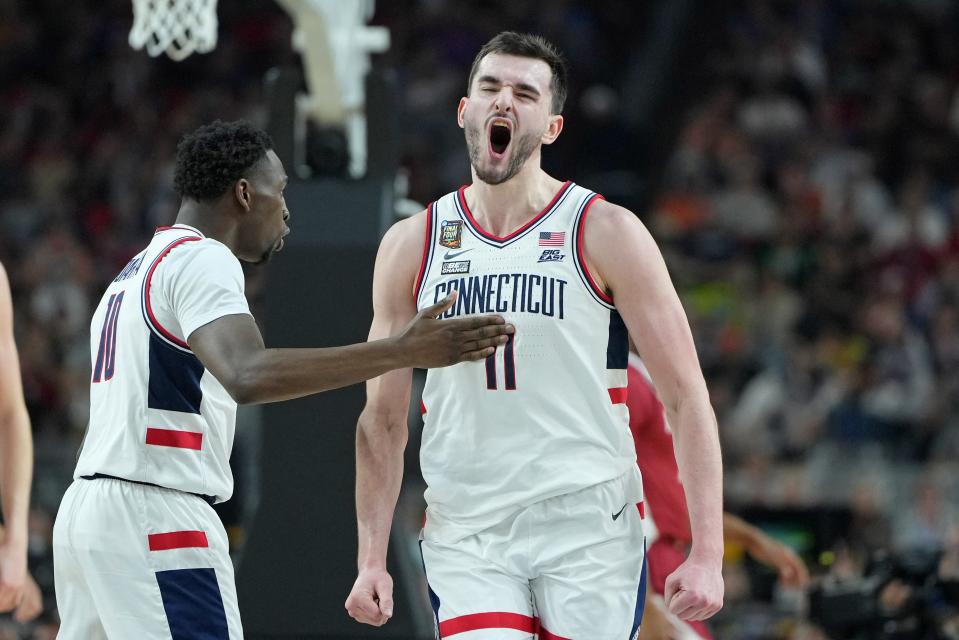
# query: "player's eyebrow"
522,86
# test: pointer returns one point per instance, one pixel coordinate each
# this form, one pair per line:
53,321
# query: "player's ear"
243,192
553,128
459,112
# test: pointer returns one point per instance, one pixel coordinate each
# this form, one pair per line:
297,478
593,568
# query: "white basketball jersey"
156,415
545,415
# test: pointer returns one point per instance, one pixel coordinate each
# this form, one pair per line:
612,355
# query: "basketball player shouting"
532,521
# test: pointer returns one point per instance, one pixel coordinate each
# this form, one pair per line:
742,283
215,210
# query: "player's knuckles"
704,612
682,602
492,330
359,603
474,334
489,342
374,618
700,599
362,615
492,321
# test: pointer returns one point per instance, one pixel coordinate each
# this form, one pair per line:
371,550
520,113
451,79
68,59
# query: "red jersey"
664,494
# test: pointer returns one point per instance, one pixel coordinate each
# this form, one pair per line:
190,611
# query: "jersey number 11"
509,366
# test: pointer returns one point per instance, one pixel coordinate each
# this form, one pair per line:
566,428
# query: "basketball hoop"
176,27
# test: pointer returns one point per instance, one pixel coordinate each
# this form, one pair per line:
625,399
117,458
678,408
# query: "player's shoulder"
187,245
198,255
401,249
606,214
610,225
406,238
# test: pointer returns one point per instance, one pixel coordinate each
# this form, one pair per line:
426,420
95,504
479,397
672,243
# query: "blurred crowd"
809,213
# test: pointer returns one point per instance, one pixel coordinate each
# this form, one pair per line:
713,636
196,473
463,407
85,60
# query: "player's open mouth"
500,134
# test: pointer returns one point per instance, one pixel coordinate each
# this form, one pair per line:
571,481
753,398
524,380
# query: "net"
175,27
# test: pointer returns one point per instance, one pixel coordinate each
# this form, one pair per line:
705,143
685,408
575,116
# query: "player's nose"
504,101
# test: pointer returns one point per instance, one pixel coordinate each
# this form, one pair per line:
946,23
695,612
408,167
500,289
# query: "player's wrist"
371,565
14,538
396,353
709,556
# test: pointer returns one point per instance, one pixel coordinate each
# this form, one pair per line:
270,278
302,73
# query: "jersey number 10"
107,353
509,366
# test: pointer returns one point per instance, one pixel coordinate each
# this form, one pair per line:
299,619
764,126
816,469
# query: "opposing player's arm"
16,458
623,257
791,568
381,432
232,348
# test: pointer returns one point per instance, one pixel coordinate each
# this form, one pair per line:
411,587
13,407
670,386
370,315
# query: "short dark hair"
528,45
212,158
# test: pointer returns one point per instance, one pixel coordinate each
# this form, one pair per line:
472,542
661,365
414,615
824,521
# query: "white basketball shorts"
567,568
137,561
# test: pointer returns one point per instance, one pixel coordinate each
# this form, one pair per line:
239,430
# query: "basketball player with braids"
534,500
138,550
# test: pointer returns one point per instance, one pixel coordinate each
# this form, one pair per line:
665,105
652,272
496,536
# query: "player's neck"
502,208
208,221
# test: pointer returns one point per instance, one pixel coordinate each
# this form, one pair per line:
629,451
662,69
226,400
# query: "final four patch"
451,233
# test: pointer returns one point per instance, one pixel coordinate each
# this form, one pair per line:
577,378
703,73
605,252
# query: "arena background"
797,162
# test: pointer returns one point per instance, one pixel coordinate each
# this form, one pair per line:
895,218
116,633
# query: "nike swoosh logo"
620,512
449,255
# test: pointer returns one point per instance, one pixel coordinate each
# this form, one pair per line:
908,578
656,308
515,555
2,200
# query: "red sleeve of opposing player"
657,461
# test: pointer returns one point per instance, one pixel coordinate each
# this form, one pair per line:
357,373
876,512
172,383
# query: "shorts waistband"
210,500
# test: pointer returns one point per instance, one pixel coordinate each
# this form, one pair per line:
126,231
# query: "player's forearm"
16,470
737,530
272,375
379,474
700,468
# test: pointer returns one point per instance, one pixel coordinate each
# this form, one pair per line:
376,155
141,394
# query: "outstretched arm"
16,460
623,257
772,553
232,348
